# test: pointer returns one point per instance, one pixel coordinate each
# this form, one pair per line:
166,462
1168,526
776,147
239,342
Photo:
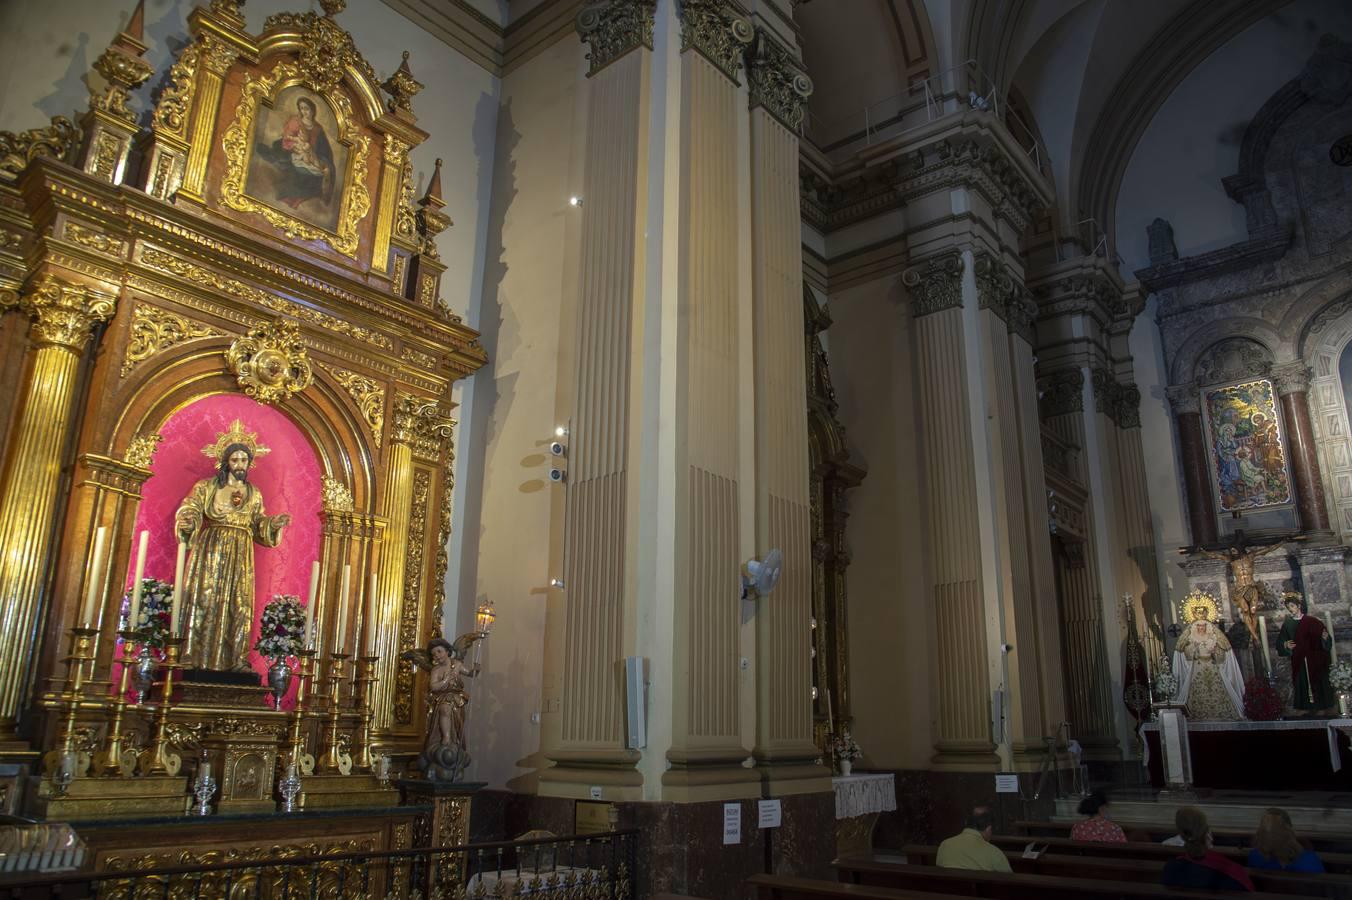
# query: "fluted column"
1187,405
706,751
599,523
1033,663
220,39
1293,386
1085,588
64,315
785,750
943,297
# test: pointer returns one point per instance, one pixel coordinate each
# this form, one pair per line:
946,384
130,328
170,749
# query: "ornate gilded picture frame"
296,156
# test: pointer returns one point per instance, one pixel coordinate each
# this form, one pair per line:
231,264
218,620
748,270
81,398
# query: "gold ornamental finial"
122,69
238,434
1199,605
433,195
402,87
332,7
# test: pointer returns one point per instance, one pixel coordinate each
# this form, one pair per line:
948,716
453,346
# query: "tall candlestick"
91,604
341,633
371,617
180,561
1333,649
309,641
134,614
830,717
1263,636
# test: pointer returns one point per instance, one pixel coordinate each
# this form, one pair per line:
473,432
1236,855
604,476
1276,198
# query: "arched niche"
1326,337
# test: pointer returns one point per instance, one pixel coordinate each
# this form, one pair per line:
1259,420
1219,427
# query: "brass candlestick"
157,759
331,762
81,652
108,761
366,679
298,714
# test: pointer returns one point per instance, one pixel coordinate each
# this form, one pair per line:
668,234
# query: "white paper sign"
1006,784
768,814
595,792
732,823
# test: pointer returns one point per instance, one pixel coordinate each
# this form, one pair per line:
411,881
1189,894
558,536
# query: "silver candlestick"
204,789
289,787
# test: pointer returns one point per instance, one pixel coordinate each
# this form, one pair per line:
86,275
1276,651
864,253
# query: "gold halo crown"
1295,597
236,435
1199,600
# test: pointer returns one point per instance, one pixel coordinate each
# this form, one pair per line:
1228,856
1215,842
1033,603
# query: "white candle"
1263,636
180,561
341,633
309,641
134,614
91,605
371,617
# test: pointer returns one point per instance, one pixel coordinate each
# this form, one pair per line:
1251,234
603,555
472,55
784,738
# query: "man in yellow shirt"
971,848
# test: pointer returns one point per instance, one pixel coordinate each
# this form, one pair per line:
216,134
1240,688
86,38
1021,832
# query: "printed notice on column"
732,823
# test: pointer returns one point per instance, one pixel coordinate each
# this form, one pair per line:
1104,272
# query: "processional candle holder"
300,711
64,759
330,762
157,758
108,761
365,681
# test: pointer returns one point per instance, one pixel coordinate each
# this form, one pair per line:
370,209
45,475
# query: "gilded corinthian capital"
777,81
65,314
420,424
613,28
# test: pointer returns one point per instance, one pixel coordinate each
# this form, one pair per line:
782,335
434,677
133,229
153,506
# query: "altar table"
859,800
1300,754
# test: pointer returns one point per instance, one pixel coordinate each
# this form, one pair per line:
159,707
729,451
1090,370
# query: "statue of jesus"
1244,589
220,520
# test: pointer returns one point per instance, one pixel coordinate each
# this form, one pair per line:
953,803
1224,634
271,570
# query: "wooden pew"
1000,886
1338,887
784,887
1333,862
1236,837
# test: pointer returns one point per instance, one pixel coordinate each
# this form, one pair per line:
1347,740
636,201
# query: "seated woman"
1276,846
1097,828
1200,866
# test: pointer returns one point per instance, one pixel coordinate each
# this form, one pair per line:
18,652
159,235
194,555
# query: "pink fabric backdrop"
289,478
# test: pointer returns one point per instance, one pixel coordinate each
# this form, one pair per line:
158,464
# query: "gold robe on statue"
220,525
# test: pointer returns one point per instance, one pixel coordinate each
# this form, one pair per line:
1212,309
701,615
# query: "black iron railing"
577,867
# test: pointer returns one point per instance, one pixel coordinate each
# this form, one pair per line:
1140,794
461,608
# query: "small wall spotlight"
556,583
561,431
574,200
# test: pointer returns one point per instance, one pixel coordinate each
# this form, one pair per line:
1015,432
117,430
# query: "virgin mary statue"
1210,682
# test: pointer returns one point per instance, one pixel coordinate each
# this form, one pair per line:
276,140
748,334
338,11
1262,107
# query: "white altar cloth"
1331,726
865,793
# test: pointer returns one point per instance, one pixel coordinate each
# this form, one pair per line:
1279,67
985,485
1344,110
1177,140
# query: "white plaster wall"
514,545
1193,141
890,616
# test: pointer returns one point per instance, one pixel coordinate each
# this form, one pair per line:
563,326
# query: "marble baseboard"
681,844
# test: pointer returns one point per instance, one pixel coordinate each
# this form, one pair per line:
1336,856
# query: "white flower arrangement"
1340,677
1166,682
153,616
845,747
282,628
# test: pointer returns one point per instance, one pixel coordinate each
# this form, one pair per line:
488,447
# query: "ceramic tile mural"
1247,450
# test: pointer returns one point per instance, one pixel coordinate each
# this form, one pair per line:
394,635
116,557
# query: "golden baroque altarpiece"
260,237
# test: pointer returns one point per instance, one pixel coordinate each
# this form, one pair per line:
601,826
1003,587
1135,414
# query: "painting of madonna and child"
297,163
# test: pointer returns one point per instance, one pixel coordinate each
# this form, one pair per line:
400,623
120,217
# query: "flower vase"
1344,703
143,674
845,766
279,680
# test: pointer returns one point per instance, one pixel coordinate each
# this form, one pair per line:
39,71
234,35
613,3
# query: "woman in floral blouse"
1097,828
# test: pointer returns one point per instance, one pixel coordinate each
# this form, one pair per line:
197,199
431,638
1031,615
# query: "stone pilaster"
600,518
706,751
785,750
